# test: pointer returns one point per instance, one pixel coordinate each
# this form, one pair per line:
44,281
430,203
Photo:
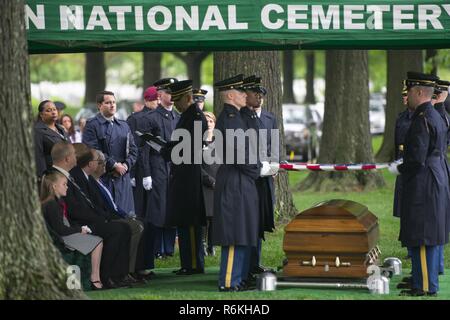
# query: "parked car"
377,115
124,109
302,132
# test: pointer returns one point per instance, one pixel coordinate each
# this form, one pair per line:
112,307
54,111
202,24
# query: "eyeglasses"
100,161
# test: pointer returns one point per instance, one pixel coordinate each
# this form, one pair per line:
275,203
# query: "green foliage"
57,67
300,64
207,71
124,67
171,66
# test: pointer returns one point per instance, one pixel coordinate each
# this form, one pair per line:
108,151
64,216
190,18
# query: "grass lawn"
204,287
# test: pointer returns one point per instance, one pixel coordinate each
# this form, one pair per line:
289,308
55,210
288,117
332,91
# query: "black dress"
71,234
44,140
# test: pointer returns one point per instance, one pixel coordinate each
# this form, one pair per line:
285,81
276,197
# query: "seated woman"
54,186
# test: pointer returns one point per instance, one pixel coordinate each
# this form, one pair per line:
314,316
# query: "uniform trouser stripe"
229,266
193,247
423,264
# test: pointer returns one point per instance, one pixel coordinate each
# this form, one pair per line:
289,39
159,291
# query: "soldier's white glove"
133,182
274,166
393,168
147,183
268,169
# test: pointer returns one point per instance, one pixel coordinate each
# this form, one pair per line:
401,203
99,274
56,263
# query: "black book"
156,142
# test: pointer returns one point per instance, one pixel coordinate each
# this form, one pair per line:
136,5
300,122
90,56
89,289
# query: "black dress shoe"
125,282
146,276
188,272
404,285
261,269
238,288
417,293
407,279
110,284
247,285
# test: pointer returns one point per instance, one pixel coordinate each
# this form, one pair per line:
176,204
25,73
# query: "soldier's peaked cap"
442,85
249,82
199,94
180,88
230,83
253,83
164,83
420,79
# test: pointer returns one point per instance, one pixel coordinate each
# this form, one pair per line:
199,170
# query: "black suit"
134,227
116,236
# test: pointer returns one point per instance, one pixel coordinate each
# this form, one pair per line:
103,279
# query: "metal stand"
377,282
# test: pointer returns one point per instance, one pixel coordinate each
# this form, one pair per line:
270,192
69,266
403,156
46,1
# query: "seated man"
116,236
104,199
88,163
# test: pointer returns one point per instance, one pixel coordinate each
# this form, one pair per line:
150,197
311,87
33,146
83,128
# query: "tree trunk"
310,97
346,137
265,64
193,61
30,266
399,62
152,68
95,75
288,76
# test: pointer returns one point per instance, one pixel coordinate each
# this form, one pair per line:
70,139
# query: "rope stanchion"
332,167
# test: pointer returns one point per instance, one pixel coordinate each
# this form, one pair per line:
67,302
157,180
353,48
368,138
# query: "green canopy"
60,26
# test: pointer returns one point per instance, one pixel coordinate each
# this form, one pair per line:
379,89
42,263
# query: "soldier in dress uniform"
113,137
236,203
255,93
425,186
186,207
136,121
156,170
441,92
401,127
199,97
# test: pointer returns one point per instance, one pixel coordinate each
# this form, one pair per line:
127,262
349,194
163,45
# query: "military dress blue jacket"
160,122
425,183
236,203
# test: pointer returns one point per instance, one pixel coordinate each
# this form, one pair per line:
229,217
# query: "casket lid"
335,215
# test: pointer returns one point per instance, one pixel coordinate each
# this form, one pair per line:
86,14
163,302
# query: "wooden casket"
334,239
